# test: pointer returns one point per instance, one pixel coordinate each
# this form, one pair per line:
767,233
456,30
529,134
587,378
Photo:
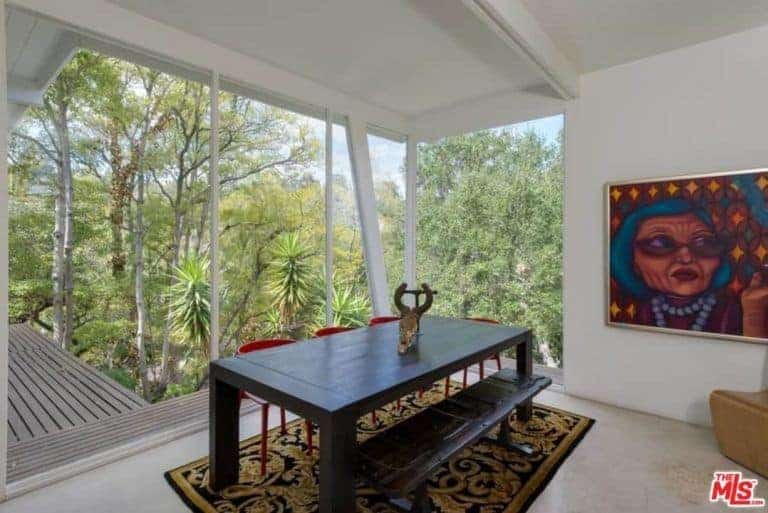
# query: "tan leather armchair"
741,427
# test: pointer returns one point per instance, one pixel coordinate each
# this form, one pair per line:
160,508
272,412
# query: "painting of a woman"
669,261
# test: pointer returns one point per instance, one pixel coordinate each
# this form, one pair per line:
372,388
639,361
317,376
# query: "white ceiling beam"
55,61
23,91
512,22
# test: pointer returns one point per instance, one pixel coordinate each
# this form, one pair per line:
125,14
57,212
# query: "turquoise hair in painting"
622,246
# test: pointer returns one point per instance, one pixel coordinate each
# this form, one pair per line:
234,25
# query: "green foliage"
490,230
190,303
122,376
108,345
350,308
291,278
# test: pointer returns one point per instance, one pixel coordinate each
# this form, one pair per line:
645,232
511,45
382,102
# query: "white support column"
328,218
369,222
411,174
214,202
4,131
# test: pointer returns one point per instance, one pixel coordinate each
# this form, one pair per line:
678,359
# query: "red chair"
496,357
331,330
259,345
382,320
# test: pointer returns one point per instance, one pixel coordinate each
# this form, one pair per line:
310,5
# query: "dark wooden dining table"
334,380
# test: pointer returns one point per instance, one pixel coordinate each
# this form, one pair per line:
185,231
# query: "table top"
348,369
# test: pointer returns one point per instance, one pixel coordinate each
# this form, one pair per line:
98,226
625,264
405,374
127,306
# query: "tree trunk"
69,228
201,227
57,274
178,230
141,311
119,195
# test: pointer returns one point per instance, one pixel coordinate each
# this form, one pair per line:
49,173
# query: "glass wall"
271,222
489,235
109,222
388,168
351,297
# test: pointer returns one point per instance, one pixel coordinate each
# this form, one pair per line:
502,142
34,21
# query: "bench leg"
505,440
503,437
420,499
524,357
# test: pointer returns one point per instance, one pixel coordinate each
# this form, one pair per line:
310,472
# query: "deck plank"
51,390
67,362
55,401
30,457
61,378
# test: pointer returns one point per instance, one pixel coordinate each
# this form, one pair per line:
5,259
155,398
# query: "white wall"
697,109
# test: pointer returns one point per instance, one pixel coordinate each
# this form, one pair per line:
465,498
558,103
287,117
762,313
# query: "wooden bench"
400,460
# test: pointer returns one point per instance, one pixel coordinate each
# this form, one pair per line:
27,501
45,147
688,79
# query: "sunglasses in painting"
701,246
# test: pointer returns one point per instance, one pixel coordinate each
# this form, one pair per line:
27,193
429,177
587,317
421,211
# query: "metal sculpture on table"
410,316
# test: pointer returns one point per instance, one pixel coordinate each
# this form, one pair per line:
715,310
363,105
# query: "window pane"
388,167
351,301
122,288
489,238
271,222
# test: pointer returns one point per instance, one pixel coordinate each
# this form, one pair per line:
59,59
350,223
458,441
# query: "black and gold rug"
486,478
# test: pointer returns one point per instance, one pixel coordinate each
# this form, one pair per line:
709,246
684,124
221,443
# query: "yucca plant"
190,303
272,323
349,308
290,277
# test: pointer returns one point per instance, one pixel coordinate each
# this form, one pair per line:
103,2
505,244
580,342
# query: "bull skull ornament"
409,317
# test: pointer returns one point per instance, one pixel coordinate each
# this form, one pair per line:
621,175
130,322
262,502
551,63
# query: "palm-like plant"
290,277
190,303
349,308
271,323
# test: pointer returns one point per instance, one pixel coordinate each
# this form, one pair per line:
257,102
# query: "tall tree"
53,123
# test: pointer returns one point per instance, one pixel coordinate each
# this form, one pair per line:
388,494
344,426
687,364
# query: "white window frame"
4,276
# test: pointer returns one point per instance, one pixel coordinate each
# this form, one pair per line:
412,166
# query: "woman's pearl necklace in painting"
703,305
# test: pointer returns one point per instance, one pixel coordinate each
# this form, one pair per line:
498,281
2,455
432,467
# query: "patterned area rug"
486,478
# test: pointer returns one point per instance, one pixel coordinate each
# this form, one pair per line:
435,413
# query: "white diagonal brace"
517,27
369,222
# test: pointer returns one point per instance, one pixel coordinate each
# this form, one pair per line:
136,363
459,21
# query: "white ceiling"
410,56
31,42
596,34
432,60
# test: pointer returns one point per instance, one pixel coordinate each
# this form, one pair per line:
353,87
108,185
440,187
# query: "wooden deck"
62,411
50,390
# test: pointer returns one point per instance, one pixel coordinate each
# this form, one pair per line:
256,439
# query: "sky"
387,157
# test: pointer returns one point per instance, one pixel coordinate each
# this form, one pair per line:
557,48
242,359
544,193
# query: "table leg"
224,434
338,454
525,368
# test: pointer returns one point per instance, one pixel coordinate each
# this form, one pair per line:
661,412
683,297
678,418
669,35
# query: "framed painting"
689,254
